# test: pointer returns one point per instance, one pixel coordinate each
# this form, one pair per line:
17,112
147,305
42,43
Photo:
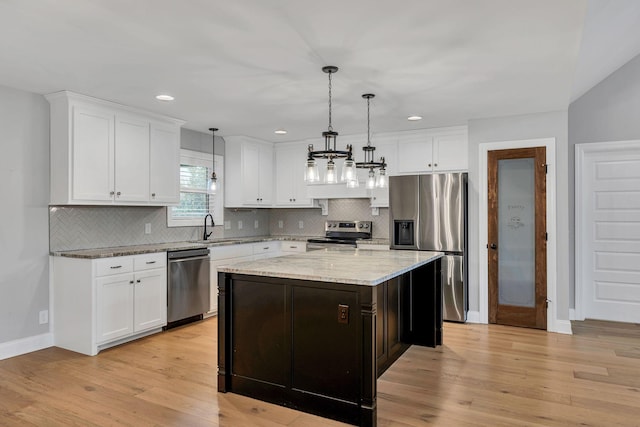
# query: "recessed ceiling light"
280,132
414,118
164,97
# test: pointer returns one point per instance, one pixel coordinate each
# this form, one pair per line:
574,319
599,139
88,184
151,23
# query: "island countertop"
349,266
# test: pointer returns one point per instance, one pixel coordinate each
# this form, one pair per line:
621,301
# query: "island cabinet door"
259,333
325,351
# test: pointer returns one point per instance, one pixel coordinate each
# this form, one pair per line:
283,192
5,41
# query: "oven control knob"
360,225
366,226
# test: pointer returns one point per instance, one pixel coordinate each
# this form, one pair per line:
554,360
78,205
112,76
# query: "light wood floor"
483,375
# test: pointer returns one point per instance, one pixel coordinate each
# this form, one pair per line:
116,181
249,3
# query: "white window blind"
195,199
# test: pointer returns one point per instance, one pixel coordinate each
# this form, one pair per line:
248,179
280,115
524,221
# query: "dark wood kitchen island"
314,331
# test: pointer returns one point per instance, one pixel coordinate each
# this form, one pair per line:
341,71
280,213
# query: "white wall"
24,234
513,128
610,111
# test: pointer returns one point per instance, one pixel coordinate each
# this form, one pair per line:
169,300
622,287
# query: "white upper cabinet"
106,153
432,150
248,172
92,156
132,145
164,170
291,188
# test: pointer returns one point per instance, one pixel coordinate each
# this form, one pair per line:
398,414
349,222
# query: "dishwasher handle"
193,258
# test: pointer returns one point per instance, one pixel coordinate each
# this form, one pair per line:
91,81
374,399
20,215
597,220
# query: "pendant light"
213,181
330,153
372,181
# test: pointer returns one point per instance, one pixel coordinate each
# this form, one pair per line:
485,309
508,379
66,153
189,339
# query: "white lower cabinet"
289,247
102,302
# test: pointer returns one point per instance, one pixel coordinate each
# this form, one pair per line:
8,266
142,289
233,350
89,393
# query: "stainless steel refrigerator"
429,213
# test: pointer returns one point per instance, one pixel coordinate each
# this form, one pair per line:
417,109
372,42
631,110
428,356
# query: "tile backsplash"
89,227
339,209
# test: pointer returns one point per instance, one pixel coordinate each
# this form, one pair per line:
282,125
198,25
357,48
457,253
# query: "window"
195,201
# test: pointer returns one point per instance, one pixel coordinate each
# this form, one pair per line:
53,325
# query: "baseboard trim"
563,327
473,317
572,314
25,345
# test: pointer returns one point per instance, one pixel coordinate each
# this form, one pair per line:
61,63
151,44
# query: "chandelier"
373,181
330,153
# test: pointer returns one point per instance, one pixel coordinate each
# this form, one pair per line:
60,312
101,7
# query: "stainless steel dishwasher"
188,285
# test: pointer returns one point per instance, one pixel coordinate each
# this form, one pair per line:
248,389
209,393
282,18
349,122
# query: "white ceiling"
252,66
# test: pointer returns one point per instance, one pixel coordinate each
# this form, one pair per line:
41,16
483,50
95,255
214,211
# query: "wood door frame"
553,325
508,314
581,151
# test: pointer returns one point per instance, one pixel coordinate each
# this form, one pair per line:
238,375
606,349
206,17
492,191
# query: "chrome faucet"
206,235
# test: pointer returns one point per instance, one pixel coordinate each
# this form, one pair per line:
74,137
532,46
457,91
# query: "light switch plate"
280,224
300,224
239,225
227,225
147,228
256,224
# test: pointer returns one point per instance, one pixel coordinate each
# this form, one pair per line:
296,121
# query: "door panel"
517,237
610,254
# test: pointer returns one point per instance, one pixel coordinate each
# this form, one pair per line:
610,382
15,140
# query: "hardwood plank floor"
484,375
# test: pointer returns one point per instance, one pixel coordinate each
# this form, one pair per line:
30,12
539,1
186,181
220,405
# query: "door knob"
493,246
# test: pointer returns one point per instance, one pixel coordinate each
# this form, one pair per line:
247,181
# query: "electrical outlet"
343,313
147,228
227,225
256,224
43,317
281,224
239,225
301,224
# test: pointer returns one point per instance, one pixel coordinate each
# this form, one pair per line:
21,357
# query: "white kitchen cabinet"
164,170
131,146
263,250
291,188
289,247
432,150
249,172
104,153
102,302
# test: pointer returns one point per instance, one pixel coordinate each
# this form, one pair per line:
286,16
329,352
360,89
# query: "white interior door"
608,231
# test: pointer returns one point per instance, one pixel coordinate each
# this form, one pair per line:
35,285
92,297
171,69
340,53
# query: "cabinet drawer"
294,246
265,247
115,265
150,261
231,251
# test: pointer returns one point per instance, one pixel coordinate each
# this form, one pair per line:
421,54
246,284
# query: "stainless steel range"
342,234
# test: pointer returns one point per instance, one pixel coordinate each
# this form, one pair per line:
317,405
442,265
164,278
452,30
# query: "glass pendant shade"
371,179
353,183
311,172
213,184
331,177
382,180
348,171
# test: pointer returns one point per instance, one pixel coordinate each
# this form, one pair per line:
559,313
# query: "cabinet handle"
435,164
118,194
115,266
266,248
151,262
429,165
131,282
111,193
138,281
293,247
294,200
153,194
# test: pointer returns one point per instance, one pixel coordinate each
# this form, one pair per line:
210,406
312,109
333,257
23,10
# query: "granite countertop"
173,246
352,266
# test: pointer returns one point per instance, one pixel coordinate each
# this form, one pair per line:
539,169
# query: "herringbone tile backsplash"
88,227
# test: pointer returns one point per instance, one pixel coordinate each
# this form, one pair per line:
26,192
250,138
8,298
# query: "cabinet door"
164,164
290,186
450,152
266,175
150,299
131,159
92,147
114,307
415,154
251,173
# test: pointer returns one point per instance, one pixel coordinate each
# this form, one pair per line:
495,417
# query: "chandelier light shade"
369,157
330,152
213,180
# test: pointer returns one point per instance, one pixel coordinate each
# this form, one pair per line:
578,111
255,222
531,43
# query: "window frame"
197,158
